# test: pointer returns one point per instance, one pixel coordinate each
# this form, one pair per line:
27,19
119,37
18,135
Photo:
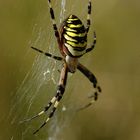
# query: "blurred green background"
28,80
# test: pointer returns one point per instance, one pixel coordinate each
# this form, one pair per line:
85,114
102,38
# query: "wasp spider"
72,43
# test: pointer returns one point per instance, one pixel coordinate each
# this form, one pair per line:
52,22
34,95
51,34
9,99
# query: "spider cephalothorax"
72,43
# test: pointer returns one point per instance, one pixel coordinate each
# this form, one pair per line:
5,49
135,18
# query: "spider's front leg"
92,79
59,93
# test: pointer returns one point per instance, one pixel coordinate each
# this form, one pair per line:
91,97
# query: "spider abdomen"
74,36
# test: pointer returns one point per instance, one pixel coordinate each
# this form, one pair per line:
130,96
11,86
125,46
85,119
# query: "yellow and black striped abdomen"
74,36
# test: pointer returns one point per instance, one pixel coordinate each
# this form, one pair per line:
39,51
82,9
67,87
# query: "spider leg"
93,80
47,54
93,44
57,35
43,111
88,26
88,16
60,92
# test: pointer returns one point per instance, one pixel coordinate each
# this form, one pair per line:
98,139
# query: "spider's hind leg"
88,16
93,80
93,44
55,28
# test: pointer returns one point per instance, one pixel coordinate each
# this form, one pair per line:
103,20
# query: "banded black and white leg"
47,54
58,97
55,100
93,44
57,35
88,26
88,16
93,80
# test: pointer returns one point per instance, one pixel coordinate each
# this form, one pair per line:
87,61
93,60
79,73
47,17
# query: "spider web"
41,78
